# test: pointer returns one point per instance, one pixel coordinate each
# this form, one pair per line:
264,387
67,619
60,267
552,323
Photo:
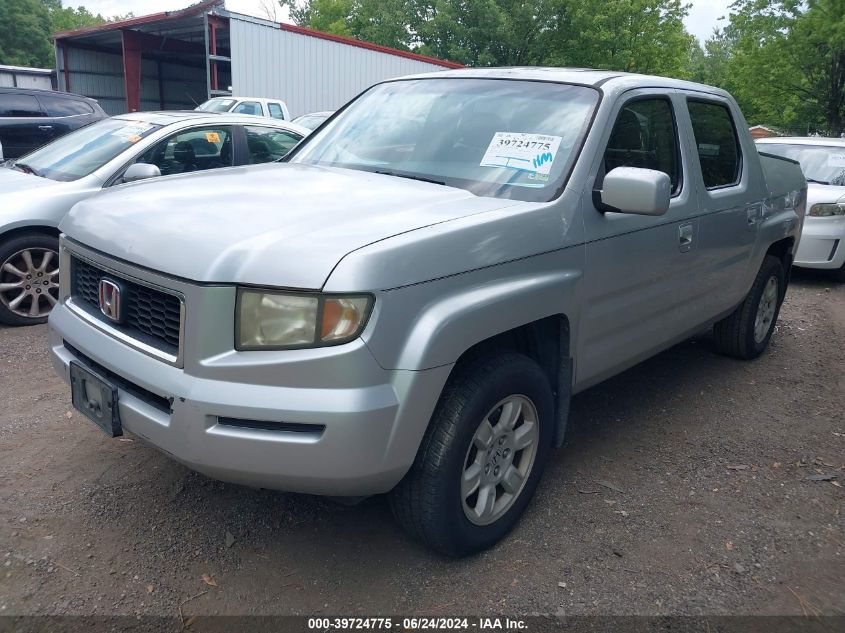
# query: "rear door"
640,293
65,114
23,125
730,204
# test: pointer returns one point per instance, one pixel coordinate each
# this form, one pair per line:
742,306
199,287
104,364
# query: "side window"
248,107
644,136
196,149
58,107
267,144
276,111
716,140
18,105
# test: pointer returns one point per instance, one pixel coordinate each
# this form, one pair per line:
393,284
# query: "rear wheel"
481,458
29,278
747,331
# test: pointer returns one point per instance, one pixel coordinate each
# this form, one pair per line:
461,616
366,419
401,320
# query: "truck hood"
276,225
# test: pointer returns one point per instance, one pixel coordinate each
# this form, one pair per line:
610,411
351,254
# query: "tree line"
26,28
784,60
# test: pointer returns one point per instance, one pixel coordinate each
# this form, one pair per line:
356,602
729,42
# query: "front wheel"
745,333
29,278
481,458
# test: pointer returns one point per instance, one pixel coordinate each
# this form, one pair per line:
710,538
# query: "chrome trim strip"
120,336
170,359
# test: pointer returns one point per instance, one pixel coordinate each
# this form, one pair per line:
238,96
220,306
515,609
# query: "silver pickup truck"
409,303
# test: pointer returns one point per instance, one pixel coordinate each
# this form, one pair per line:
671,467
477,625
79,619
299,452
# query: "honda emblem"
110,303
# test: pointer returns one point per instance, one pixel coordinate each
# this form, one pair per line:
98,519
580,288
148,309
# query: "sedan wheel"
29,280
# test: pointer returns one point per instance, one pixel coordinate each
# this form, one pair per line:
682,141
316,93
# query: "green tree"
784,61
645,36
634,35
67,18
25,34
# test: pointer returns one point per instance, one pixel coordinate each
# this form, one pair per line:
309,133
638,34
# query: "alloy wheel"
29,282
499,459
766,310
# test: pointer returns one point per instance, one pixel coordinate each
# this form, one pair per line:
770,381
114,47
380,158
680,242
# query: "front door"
640,289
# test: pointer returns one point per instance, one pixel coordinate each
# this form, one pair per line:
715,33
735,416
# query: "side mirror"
636,190
141,171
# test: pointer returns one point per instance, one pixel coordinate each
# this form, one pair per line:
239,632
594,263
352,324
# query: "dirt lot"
684,488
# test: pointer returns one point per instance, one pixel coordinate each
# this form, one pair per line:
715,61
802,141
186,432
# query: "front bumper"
371,420
822,243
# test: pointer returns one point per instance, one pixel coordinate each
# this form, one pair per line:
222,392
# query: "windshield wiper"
818,182
27,169
409,177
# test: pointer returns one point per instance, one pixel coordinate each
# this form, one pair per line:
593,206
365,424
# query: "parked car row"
407,302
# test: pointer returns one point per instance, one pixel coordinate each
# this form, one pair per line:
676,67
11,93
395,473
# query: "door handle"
685,233
45,128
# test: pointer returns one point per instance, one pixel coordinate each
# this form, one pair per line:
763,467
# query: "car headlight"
827,210
268,319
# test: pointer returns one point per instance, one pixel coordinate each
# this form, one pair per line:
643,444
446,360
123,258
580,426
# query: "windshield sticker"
212,137
836,160
132,133
532,153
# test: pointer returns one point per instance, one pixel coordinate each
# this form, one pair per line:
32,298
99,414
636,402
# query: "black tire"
8,249
427,503
734,335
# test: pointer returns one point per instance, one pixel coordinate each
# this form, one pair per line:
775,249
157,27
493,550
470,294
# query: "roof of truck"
580,76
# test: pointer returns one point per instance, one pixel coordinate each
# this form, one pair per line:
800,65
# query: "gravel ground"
690,484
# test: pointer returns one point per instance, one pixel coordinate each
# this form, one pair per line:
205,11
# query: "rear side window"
717,144
18,105
644,136
267,144
275,111
58,107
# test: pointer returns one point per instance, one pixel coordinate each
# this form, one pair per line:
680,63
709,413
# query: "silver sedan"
38,189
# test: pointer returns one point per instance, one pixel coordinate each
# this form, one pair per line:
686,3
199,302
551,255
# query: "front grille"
152,316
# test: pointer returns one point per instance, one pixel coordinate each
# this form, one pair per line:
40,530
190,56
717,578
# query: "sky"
701,21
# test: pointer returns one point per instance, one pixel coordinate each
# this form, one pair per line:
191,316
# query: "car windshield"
311,121
495,138
217,105
821,163
79,153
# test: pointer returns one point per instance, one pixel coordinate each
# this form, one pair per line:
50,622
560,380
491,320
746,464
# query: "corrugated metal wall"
11,79
308,73
100,75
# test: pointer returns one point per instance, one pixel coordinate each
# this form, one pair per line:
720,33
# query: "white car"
313,120
822,242
253,106
37,189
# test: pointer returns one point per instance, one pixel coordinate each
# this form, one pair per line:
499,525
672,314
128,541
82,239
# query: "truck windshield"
79,153
821,164
495,138
217,105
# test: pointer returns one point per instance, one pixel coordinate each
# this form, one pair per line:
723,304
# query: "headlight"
283,320
827,210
